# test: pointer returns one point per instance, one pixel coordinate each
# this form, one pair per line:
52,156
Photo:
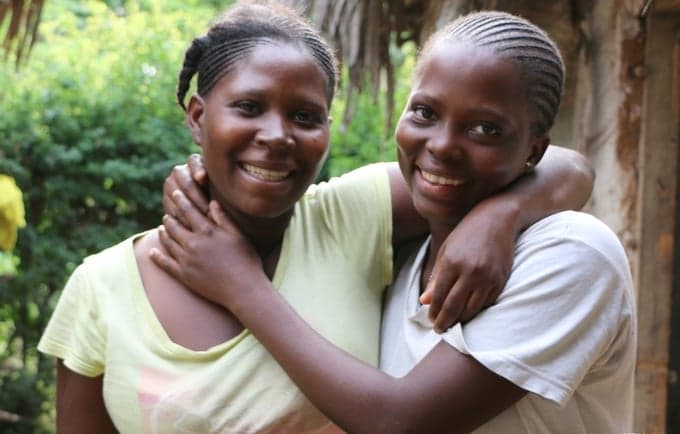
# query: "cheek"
409,140
498,168
316,147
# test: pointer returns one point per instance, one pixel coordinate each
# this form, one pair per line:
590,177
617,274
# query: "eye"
249,108
424,113
485,129
306,118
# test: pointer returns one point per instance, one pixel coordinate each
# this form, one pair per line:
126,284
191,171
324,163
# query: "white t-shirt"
563,329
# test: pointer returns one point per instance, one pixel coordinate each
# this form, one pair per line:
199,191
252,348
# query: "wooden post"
657,211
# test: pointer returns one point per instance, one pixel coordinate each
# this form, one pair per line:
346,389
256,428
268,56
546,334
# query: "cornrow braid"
520,41
238,32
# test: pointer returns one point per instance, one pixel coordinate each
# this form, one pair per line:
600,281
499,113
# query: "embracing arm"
80,404
563,180
466,280
446,392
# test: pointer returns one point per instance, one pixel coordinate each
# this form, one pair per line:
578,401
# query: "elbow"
586,173
401,417
400,425
581,172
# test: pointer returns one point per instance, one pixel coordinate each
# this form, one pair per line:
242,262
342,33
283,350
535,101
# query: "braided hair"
527,46
238,32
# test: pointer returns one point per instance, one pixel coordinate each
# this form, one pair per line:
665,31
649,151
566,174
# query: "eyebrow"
302,99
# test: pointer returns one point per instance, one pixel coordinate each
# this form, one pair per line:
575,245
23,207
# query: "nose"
445,144
274,133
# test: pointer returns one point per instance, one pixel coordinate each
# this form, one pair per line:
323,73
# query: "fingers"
173,236
173,231
464,301
187,212
441,281
426,296
186,178
474,305
218,215
165,262
169,206
197,169
452,307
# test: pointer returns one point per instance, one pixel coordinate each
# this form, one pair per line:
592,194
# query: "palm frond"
22,30
362,32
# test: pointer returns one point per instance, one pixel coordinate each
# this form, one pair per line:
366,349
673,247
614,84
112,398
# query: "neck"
265,234
438,232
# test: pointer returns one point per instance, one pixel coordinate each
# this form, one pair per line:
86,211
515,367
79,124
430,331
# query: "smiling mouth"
265,174
440,180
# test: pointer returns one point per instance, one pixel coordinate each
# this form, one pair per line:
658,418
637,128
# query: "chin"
266,210
438,212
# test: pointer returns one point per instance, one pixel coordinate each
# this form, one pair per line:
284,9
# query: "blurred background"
89,128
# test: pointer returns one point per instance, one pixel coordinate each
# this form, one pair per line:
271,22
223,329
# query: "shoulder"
365,176
112,264
572,231
572,260
356,201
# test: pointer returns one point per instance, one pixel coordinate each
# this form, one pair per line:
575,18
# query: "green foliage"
89,129
8,264
367,137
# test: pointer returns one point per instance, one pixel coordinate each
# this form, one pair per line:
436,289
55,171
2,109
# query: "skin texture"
465,121
271,112
271,115
80,404
472,147
257,128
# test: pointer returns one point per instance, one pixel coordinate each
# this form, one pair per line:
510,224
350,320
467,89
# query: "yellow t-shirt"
335,260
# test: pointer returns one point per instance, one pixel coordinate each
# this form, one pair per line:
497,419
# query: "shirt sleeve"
357,210
566,301
74,332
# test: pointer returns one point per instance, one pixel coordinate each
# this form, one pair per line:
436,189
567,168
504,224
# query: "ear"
195,117
538,147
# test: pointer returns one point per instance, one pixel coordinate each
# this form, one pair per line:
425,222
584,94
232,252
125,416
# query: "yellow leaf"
11,212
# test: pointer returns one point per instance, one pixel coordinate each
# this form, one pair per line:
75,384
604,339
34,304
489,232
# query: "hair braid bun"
237,32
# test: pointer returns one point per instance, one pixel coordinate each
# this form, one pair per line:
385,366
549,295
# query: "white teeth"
435,179
265,174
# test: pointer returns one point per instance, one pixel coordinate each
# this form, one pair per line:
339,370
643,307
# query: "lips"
441,180
266,174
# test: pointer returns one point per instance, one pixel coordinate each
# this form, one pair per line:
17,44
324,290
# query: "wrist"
505,209
250,295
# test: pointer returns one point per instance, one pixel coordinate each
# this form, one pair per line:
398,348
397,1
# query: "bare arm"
563,180
80,404
466,280
446,392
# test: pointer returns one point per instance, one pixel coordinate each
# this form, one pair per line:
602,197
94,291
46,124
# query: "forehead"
276,66
452,65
